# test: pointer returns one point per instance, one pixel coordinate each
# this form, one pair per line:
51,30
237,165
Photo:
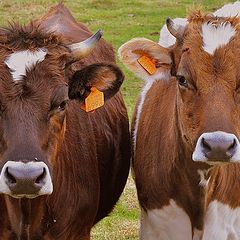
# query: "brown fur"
173,117
224,185
88,153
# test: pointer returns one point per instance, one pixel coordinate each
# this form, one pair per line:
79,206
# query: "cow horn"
83,48
175,29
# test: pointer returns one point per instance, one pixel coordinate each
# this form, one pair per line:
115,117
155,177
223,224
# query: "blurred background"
121,21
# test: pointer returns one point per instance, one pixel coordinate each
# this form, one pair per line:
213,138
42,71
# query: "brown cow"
188,110
61,169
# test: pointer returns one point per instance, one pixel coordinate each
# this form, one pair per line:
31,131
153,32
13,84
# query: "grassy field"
121,20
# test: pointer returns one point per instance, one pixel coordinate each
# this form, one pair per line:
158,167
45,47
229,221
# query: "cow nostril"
40,178
11,179
233,145
205,145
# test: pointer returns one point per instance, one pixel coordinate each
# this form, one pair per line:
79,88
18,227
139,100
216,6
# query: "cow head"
35,89
205,64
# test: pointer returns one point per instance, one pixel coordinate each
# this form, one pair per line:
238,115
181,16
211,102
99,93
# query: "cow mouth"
214,162
20,196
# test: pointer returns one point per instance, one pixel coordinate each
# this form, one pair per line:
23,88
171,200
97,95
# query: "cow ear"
147,59
107,78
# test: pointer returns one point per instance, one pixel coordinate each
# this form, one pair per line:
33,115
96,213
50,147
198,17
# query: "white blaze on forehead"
215,36
18,62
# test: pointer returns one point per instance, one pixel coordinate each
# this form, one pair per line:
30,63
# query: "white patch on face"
18,62
166,38
199,155
229,10
46,189
146,88
215,36
221,222
170,222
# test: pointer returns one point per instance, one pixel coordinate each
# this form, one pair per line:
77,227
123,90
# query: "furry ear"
155,55
107,78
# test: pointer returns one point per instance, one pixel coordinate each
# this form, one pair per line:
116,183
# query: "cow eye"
182,81
62,106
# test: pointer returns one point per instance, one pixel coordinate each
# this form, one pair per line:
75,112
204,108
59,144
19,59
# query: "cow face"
205,66
34,97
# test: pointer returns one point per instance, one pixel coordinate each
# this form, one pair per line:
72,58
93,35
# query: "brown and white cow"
61,169
189,109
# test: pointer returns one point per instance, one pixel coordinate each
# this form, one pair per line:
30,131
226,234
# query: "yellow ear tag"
148,64
94,100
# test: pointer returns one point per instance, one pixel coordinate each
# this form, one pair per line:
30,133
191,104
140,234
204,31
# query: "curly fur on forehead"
17,38
199,17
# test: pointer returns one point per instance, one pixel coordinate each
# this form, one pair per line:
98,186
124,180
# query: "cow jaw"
25,180
217,147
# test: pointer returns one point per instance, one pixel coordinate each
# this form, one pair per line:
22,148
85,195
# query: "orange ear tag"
148,64
94,100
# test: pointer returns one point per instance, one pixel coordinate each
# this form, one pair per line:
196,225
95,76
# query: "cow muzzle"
217,147
25,180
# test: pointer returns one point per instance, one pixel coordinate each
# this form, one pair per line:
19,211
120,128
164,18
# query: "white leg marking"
221,222
18,62
168,223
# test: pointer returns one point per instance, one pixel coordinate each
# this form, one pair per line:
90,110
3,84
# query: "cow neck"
25,216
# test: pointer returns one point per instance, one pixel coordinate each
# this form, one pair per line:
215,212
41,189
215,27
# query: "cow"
62,169
221,183
186,119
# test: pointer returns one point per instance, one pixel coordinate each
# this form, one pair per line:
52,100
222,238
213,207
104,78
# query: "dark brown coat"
88,153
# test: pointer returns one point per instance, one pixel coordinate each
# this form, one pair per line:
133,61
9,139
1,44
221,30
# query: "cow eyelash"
182,81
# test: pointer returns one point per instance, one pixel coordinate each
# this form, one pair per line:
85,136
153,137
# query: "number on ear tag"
94,100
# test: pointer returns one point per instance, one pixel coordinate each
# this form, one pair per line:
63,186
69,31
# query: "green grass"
121,20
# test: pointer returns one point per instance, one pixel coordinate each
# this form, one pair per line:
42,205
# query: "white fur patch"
215,36
166,38
46,189
197,234
19,62
146,88
170,222
221,222
229,10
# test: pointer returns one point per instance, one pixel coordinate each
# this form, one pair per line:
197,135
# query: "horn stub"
82,49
